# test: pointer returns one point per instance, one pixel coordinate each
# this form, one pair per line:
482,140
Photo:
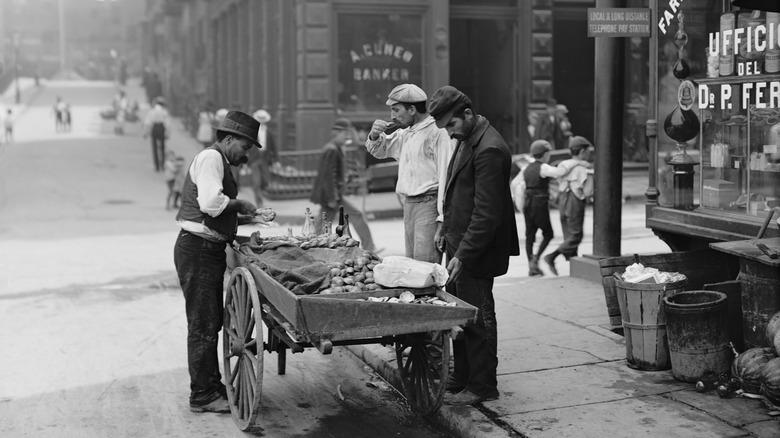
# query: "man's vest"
226,223
535,185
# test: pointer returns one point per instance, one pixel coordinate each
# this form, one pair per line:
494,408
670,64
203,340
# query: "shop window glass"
738,147
376,52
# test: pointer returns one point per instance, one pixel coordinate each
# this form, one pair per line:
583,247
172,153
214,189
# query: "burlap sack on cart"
398,271
294,268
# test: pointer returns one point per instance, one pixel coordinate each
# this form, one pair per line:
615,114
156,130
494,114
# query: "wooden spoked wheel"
424,365
242,346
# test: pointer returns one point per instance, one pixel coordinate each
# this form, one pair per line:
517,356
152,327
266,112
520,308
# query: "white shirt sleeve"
548,171
445,148
207,172
386,146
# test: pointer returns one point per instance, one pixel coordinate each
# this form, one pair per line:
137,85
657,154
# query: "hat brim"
240,134
444,120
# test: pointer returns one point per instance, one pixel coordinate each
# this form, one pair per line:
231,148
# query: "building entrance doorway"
483,64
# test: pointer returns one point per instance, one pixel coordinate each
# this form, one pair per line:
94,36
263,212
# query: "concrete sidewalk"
563,373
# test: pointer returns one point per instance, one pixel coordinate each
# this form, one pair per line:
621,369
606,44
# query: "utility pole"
16,38
61,14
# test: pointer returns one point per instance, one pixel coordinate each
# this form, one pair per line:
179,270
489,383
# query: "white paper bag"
398,271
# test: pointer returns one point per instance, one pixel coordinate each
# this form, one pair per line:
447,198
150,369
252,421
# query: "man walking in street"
328,188
423,151
479,234
208,218
158,126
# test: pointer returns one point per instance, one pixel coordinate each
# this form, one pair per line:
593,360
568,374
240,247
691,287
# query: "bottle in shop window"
772,54
728,21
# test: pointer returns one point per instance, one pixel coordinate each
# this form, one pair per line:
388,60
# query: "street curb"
462,421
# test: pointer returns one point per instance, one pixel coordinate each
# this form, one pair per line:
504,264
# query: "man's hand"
377,128
438,239
454,267
241,206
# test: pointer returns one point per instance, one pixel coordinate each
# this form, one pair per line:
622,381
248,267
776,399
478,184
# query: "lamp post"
16,66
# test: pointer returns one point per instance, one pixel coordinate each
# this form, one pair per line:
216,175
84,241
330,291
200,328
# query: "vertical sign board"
618,22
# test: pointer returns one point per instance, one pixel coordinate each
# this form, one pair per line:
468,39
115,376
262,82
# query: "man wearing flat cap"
479,235
209,218
423,151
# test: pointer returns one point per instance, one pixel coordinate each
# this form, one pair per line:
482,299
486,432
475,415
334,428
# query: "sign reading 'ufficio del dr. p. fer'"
618,22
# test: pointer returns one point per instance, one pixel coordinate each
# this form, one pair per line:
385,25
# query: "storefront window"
376,52
738,104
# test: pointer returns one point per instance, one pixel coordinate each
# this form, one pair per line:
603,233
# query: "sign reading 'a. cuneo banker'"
618,22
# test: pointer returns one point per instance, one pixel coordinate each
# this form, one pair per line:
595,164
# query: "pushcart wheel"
424,365
242,359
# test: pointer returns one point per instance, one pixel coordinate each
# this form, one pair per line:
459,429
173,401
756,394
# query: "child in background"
169,171
572,198
178,180
8,123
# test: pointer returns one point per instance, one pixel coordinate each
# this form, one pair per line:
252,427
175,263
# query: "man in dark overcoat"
478,236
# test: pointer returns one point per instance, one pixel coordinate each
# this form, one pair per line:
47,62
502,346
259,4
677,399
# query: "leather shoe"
465,398
454,386
219,406
550,260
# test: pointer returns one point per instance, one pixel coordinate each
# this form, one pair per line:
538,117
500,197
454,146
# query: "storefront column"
608,140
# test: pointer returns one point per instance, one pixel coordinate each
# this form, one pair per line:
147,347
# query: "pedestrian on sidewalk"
533,182
120,105
206,125
575,186
158,126
423,151
59,112
552,125
208,218
328,188
8,124
478,235
260,160
169,172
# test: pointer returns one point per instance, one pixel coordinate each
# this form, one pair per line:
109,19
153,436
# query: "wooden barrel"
760,300
698,331
644,323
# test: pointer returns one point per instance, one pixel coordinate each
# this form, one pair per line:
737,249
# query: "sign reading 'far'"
618,22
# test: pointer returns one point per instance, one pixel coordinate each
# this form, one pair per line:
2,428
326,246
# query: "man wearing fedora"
158,125
423,151
479,235
208,218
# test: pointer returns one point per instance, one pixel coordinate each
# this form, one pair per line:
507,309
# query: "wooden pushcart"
417,332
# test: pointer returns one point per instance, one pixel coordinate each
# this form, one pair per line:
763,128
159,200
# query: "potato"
337,281
349,280
359,278
335,272
349,262
338,289
350,270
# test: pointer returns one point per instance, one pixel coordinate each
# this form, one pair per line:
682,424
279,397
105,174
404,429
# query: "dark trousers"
572,218
158,146
476,354
201,265
536,211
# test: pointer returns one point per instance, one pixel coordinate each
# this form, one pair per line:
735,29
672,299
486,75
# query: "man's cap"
342,124
240,124
406,93
443,102
262,116
579,142
540,147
